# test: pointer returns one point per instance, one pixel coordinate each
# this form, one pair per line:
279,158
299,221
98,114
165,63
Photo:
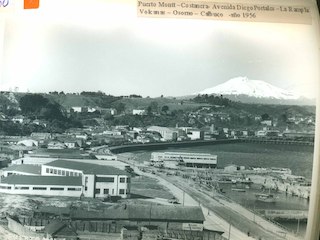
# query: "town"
77,147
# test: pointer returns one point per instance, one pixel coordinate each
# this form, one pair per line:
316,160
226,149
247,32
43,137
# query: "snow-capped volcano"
251,88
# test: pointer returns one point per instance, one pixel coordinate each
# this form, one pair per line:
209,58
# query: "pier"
276,141
288,215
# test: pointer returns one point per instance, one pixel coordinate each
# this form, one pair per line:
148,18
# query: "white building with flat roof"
195,160
66,178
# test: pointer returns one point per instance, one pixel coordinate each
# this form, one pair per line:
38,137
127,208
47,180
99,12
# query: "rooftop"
144,212
26,168
87,168
42,180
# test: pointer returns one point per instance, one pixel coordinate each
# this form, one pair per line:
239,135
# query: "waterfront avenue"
221,213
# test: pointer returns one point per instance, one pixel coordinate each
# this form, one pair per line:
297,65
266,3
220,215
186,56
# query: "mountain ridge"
251,88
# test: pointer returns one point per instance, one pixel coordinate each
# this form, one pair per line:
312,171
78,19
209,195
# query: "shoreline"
194,143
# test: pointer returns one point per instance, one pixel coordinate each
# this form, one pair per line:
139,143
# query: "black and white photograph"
126,127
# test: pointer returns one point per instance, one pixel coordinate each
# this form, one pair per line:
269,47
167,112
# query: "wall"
116,186
165,145
46,192
19,229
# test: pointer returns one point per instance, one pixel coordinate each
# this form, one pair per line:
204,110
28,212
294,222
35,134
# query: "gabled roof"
87,168
42,180
58,228
144,212
25,168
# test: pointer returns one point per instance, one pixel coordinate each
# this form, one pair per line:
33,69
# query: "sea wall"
165,145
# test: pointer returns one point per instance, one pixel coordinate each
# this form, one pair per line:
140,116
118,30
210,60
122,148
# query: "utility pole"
229,228
183,198
298,226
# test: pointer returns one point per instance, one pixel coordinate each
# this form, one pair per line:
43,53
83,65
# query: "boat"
262,197
244,181
225,180
238,189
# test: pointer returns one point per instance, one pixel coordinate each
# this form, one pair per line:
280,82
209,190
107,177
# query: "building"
167,134
24,169
193,134
138,112
28,143
162,216
56,145
194,160
41,135
67,178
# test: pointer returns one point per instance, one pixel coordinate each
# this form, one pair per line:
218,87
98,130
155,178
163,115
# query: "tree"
31,104
119,106
154,106
165,109
265,116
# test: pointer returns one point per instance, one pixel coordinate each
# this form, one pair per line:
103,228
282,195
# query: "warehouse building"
66,178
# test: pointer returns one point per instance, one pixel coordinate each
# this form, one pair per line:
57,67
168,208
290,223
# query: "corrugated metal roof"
144,212
42,180
87,168
26,168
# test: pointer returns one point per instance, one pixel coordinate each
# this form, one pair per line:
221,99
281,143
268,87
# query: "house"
56,145
28,143
107,111
79,109
18,119
138,112
60,230
41,135
267,123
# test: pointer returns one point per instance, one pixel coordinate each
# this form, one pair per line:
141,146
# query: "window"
67,173
74,189
39,188
63,172
105,179
71,173
47,170
121,191
54,171
56,189
106,191
97,191
51,170
21,188
59,172
122,179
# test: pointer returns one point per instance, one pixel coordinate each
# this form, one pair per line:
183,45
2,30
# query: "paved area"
221,214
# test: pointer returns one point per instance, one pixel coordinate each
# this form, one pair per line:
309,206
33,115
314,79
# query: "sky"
74,46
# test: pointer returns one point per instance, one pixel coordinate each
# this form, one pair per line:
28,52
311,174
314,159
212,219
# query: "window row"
43,188
106,191
62,172
112,179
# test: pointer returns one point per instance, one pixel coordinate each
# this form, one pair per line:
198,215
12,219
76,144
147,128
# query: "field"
145,187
